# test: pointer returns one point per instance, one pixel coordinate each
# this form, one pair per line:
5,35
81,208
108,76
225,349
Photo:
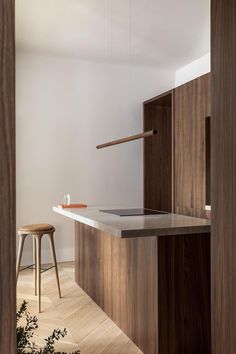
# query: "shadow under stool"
37,231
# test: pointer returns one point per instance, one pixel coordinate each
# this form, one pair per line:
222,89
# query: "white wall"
64,107
193,70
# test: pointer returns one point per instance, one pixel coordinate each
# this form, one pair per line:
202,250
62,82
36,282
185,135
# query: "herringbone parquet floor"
89,328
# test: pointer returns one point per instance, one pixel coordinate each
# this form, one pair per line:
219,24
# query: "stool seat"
27,229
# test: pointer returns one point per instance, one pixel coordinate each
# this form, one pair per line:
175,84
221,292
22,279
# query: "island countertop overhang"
137,226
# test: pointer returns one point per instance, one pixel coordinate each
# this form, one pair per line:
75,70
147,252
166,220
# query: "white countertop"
136,226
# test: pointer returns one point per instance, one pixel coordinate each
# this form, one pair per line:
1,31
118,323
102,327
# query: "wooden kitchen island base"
155,288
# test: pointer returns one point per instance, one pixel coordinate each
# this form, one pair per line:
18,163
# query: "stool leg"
38,268
35,265
19,254
52,246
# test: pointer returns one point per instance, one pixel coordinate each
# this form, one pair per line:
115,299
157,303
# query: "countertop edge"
134,233
93,223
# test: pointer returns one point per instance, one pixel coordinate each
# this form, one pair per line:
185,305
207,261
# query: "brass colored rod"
128,138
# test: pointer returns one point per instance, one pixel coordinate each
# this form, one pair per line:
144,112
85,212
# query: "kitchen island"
150,274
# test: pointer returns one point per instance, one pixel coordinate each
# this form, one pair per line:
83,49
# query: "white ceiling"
167,33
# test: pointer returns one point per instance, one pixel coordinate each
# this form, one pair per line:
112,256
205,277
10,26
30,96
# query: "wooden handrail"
128,138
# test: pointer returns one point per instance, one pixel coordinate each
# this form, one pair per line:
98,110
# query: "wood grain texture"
120,275
7,179
158,154
156,289
184,294
175,163
191,107
223,191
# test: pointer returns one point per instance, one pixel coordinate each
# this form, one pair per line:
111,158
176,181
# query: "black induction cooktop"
133,212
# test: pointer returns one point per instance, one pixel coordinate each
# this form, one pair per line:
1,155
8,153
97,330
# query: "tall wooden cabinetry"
175,172
223,247
176,179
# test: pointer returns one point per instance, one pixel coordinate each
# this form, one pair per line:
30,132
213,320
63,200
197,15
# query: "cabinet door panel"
192,106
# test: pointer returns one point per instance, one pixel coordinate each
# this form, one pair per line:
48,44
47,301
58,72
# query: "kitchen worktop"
136,226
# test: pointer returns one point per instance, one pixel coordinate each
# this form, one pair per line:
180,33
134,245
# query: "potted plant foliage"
25,333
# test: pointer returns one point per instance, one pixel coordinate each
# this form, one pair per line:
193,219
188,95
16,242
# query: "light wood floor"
89,328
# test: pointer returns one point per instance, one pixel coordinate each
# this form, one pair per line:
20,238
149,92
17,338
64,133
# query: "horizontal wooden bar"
128,138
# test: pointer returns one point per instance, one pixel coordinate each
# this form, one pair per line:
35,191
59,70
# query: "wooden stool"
37,231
